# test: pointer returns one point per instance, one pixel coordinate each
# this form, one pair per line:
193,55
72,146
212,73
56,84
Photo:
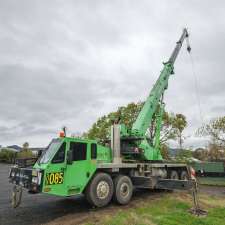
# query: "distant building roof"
36,149
16,147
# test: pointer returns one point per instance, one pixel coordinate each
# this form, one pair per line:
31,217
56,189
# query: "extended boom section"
144,118
152,111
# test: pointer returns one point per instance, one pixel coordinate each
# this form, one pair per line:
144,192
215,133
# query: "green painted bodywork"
209,167
76,175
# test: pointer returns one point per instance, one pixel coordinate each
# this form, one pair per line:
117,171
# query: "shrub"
26,153
7,155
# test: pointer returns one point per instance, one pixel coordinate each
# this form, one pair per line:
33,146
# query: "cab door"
55,173
80,169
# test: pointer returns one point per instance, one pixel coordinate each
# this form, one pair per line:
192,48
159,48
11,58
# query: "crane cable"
196,87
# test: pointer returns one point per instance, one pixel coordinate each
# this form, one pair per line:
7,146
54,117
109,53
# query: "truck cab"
64,168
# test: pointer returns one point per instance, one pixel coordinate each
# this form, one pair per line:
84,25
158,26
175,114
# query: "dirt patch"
94,214
212,190
140,199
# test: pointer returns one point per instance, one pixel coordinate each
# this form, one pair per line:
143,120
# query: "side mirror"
69,157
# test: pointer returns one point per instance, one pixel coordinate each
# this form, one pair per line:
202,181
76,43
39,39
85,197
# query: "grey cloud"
70,62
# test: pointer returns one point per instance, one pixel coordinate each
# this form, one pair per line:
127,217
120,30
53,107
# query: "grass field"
169,210
217,181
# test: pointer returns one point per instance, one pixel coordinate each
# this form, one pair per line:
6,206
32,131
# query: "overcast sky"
69,62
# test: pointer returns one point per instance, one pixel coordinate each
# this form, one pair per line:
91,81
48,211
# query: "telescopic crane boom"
144,118
152,111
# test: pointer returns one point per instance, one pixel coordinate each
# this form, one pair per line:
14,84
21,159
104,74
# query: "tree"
215,153
7,155
185,153
172,127
25,146
164,151
179,122
127,115
215,129
172,124
201,154
25,152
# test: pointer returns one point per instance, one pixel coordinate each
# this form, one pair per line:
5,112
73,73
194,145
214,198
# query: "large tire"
174,175
184,175
123,189
100,190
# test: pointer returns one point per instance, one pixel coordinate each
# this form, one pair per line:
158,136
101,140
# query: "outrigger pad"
198,212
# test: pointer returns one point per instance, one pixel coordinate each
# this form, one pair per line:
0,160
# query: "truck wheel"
184,175
123,189
174,175
100,190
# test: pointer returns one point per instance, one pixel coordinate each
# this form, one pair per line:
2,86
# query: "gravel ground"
42,209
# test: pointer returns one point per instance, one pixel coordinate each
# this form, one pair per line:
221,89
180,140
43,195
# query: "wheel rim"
124,190
102,189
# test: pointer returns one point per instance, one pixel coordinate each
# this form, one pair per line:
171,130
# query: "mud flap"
16,196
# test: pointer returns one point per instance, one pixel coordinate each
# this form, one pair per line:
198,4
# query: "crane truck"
129,158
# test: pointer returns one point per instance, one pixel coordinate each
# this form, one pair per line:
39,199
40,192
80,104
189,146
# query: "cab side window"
93,151
79,150
60,155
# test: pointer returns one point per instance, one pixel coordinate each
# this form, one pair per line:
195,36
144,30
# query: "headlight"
35,180
34,173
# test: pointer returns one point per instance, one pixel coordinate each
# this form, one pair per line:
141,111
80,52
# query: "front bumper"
28,178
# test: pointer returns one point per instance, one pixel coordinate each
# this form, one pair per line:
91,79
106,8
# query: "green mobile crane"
129,159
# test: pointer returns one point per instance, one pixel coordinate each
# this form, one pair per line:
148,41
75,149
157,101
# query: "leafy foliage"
25,146
216,130
185,154
7,155
213,153
127,115
201,154
164,151
25,152
172,124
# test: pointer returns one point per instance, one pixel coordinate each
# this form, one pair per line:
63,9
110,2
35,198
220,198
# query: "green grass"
172,209
214,181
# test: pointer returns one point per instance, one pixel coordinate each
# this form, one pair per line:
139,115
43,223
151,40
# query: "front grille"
23,177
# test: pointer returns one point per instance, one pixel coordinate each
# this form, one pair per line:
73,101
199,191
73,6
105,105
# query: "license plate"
54,178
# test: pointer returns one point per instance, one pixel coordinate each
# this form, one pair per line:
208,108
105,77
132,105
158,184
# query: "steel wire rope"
196,88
